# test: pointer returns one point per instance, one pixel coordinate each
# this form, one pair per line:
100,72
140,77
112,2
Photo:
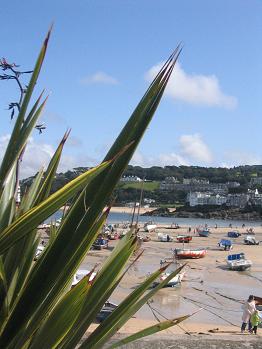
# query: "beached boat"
175,281
150,226
238,262
184,238
100,243
193,253
233,234
164,237
250,240
225,244
107,309
204,233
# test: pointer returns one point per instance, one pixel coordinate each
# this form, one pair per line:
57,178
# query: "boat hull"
184,238
203,234
189,254
239,267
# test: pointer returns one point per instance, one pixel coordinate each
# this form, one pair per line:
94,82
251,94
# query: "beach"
208,286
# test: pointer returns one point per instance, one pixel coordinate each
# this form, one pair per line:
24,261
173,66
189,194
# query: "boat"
238,262
204,233
193,253
107,309
175,281
233,234
164,237
173,265
250,240
100,243
150,226
225,244
183,238
80,273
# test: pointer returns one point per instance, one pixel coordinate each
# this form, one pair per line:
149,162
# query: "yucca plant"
37,307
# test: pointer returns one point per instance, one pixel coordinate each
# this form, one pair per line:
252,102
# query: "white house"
131,179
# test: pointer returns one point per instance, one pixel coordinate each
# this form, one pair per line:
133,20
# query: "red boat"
189,253
184,238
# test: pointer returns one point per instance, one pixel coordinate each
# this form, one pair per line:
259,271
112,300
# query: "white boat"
174,281
164,237
150,226
80,273
250,240
238,262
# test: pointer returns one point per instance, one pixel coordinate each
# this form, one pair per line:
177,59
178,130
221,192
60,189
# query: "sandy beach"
208,284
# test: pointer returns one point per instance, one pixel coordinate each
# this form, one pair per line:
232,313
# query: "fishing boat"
238,262
250,240
225,244
100,243
184,238
192,253
233,234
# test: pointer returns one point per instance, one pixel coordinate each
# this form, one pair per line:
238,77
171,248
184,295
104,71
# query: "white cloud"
99,78
162,160
192,151
194,147
195,89
38,155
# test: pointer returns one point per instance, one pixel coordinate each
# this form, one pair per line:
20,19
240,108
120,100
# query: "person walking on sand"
255,321
248,309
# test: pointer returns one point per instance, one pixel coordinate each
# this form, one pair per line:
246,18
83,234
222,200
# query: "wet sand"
207,285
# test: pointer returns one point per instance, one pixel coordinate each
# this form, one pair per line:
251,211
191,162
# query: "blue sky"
101,58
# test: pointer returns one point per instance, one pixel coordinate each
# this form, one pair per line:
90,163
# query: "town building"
256,181
169,183
131,179
237,200
200,198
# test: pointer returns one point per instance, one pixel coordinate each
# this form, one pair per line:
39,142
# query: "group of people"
250,316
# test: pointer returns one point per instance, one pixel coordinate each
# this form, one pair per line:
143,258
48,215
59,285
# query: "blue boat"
204,233
233,234
225,244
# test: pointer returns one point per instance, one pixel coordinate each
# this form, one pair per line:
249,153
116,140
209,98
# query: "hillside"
130,191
